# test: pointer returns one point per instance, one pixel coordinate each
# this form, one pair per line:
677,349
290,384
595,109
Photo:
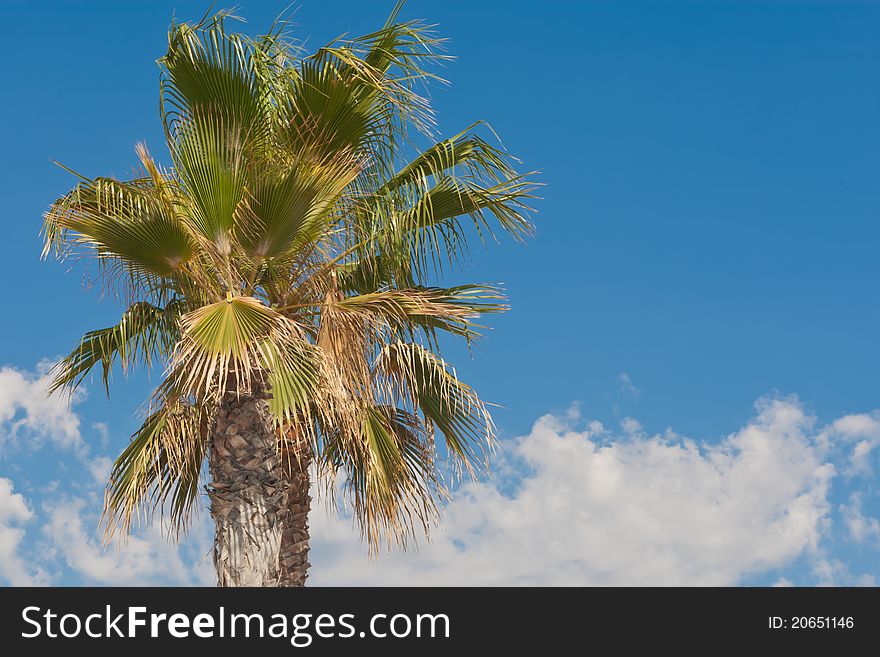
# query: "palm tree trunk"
259,498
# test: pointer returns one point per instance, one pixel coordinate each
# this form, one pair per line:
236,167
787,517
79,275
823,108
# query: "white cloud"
100,466
103,430
26,408
834,572
14,510
28,415
864,430
69,525
631,426
638,510
857,426
861,527
590,506
148,558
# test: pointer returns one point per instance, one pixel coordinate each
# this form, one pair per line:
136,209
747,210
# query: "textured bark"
259,498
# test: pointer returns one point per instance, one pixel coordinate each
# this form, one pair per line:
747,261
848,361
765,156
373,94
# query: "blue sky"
706,239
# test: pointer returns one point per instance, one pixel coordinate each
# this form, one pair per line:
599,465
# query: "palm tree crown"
289,251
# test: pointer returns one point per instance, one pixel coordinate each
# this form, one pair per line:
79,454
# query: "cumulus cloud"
593,509
29,416
25,408
576,504
100,467
14,511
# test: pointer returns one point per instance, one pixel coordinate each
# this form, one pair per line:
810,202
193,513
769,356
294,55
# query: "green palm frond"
325,112
209,155
465,152
144,333
119,221
424,380
371,274
210,70
285,213
448,309
389,474
423,217
160,468
410,46
293,381
359,94
451,198
225,343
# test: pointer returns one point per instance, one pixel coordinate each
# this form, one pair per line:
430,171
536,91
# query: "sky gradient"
705,267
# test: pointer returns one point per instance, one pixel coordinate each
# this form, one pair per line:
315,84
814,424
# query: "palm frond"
342,337
119,221
389,475
423,221
465,152
410,46
425,381
451,198
283,214
448,309
293,381
209,70
209,154
144,333
223,343
160,468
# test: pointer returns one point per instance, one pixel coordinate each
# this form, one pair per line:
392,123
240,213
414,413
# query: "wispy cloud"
627,386
862,528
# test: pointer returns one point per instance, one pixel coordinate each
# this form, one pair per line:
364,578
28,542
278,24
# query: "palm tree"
279,271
